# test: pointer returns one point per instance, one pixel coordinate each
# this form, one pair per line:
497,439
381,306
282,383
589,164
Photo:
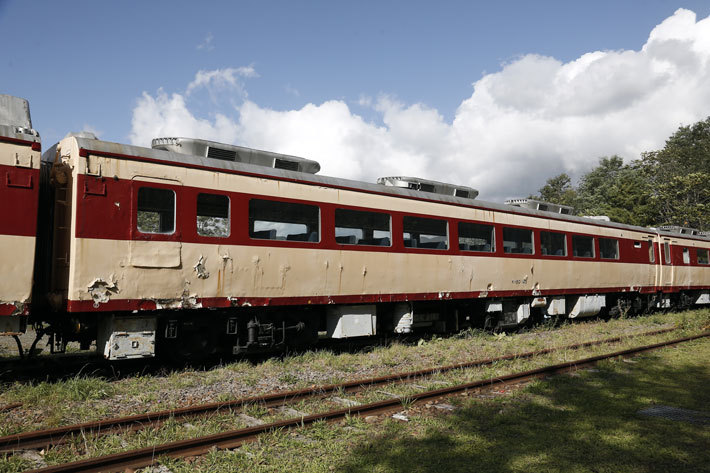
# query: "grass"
578,423
587,422
86,398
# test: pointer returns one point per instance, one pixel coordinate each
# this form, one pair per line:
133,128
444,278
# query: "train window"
274,220
476,237
686,256
355,227
553,243
651,252
638,245
422,232
517,240
582,246
213,215
667,252
608,248
156,210
703,256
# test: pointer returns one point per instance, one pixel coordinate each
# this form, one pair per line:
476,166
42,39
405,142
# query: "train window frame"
603,241
546,238
414,228
509,236
576,239
277,232
686,255
228,218
477,232
706,252
346,223
666,252
150,207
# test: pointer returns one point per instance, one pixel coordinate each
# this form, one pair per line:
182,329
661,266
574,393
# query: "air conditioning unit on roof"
425,185
542,206
233,153
681,230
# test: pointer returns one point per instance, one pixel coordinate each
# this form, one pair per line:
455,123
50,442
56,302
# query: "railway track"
49,437
197,446
41,439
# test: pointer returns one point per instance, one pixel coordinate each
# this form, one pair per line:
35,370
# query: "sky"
498,96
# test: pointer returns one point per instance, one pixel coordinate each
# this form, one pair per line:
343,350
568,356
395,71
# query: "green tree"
679,177
617,190
558,190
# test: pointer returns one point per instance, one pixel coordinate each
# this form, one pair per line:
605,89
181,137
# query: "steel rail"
55,436
9,407
197,446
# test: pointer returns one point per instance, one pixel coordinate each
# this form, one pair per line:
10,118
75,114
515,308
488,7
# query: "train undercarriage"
197,334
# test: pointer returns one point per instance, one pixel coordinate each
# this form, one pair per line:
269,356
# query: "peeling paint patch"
200,269
101,290
185,302
14,308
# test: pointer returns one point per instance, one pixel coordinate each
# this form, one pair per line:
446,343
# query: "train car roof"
122,151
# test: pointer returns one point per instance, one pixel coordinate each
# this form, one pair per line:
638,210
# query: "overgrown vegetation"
355,444
670,186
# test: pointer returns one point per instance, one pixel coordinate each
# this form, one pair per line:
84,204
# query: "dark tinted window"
274,220
582,246
553,244
517,240
476,237
608,248
422,232
156,210
355,227
703,257
213,215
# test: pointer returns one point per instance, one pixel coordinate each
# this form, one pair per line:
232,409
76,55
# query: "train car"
193,247
20,153
683,267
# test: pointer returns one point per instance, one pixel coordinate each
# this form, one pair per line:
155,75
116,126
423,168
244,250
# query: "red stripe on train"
106,210
225,302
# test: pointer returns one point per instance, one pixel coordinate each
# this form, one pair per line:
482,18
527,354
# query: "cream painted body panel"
256,271
19,155
17,255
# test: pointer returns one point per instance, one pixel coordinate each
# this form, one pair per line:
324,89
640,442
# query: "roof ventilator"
682,230
425,185
542,206
233,153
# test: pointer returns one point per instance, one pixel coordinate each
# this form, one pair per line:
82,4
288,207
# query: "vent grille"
426,187
284,164
223,154
461,193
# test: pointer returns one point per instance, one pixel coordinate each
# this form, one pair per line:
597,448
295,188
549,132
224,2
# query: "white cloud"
229,78
532,119
92,129
206,43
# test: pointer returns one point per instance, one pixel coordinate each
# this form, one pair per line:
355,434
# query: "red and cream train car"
20,152
194,247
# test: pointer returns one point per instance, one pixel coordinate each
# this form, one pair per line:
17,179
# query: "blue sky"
376,66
